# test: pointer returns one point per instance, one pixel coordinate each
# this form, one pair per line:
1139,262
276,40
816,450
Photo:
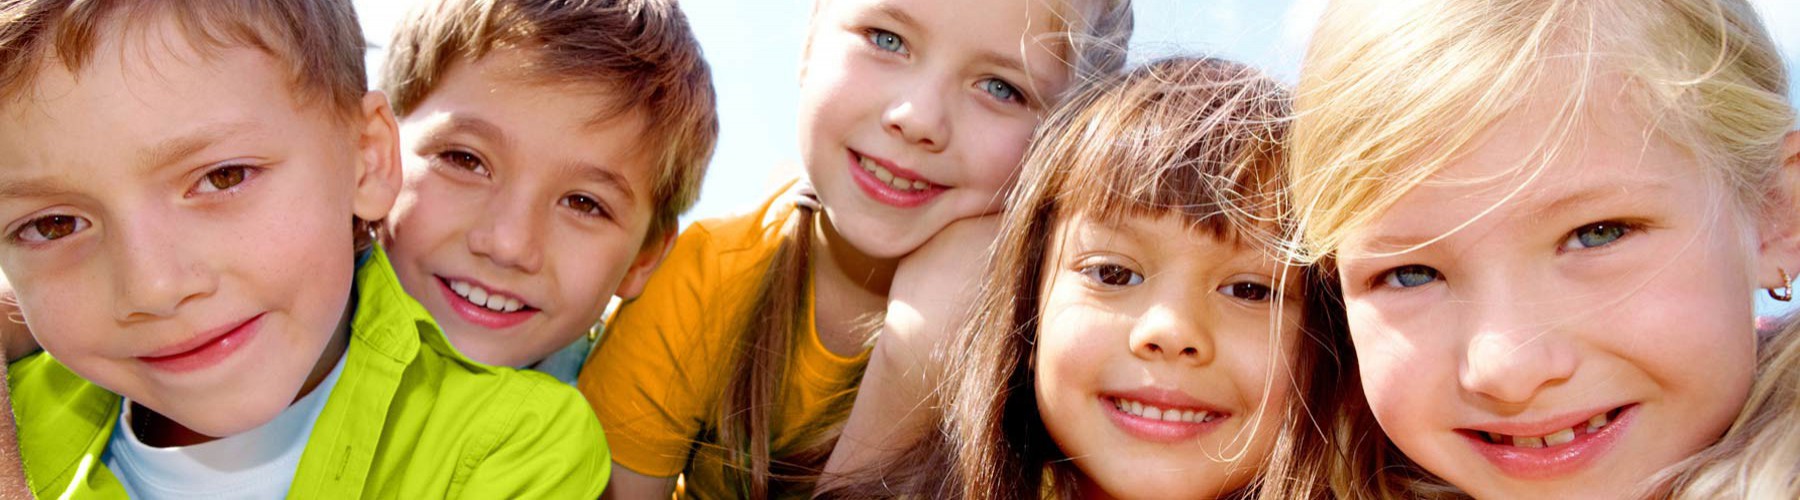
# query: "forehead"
1023,32
496,99
142,89
1549,156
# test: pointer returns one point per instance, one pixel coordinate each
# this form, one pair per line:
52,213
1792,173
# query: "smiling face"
521,216
914,113
1585,333
1155,356
178,225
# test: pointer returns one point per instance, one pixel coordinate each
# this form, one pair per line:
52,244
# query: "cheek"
996,149
1391,366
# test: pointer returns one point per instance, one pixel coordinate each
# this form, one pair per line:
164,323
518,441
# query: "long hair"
1197,137
1760,456
1095,35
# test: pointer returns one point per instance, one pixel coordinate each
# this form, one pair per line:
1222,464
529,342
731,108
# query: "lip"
1546,463
478,315
207,349
885,193
1160,431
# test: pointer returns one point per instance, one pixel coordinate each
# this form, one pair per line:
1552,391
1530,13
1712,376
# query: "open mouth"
897,181
482,297
891,185
1152,412
1564,436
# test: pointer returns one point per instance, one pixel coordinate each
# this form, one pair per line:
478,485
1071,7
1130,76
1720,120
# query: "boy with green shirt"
185,190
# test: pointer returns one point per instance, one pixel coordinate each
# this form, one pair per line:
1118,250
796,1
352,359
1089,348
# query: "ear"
646,261
1780,245
377,159
812,28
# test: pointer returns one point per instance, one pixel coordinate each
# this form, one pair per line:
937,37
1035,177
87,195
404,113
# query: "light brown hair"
1197,137
640,54
1092,34
319,40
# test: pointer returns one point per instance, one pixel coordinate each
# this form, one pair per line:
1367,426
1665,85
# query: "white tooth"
867,164
884,175
1152,413
478,295
460,287
1559,437
1524,442
901,184
1137,408
920,185
513,305
496,302
1594,424
1171,416
1207,416
1187,416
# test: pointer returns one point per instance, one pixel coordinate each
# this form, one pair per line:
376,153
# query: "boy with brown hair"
548,148
188,193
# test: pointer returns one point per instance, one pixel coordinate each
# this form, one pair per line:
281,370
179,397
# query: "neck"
159,431
850,289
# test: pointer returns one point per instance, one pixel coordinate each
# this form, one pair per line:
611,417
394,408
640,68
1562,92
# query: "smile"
1533,452
1561,437
482,305
1151,412
889,184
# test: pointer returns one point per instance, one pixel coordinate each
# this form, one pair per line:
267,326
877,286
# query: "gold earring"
1785,292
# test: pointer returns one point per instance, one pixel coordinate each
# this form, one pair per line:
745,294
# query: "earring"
594,333
1786,291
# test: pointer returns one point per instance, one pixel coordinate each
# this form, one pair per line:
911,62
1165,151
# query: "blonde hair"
1199,138
640,54
319,40
1095,38
1390,94
1760,456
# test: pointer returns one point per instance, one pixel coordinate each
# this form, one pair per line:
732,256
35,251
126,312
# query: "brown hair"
1198,137
318,39
1094,39
639,53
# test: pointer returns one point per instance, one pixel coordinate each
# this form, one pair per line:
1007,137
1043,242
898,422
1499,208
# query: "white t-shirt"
258,463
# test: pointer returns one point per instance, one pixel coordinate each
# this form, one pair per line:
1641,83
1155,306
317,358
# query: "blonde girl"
1549,219
737,364
1136,335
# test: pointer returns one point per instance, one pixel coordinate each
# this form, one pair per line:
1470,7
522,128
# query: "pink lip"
1550,462
478,315
207,349
886,193
1161,431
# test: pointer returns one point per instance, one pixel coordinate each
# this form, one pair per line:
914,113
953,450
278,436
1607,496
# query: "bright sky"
754,49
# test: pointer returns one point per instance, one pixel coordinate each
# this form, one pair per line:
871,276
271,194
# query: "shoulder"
524,434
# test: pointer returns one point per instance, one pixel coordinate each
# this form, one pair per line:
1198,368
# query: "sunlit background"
754,49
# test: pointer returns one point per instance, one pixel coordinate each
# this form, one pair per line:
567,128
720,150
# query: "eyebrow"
1600,191
31,188
460,123
900,16
193,141
602,175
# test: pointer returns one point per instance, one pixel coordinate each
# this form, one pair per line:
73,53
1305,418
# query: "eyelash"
455,158
1017,95
245,174
599,210
1572,240
1099,273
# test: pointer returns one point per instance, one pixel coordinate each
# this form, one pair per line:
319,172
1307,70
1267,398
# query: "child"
914,114
1549,218
1137,336
548,149
185,190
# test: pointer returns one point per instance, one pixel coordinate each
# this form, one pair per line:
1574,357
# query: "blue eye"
1002,90
887,40
1410,276
1112,275
1595,235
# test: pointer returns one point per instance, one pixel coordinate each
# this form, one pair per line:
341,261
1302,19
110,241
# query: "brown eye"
1247,291
51,227
222,178
463,161
1112,275
585,205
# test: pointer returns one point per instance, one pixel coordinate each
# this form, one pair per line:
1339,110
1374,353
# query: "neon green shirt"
409,418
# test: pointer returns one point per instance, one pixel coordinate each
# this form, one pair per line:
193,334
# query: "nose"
506,233
1514,354
919,116
1173,333
158,271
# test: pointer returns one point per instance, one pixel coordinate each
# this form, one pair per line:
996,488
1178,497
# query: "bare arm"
897,403
628,485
